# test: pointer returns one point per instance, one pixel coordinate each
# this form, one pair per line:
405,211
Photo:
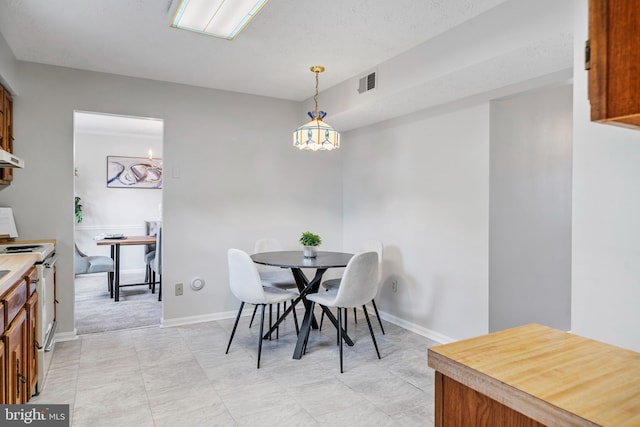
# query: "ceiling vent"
367,83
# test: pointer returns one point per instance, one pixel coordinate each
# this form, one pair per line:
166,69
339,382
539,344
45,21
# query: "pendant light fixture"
316,134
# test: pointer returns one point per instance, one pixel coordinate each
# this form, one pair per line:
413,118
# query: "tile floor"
181,376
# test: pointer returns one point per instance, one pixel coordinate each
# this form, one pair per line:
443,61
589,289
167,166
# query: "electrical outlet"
179,289
394,286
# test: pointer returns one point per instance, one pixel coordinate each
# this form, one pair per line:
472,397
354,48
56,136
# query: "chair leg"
339,323
375,344
235,325
260,335
377,315
270,319
346,319
277,317
159,287
340,335
153,282
344,310
255,308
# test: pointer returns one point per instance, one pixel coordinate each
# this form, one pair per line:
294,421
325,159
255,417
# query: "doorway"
107,206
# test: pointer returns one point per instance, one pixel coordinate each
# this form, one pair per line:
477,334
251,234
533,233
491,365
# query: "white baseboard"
190,320
136,271
66,336
425,332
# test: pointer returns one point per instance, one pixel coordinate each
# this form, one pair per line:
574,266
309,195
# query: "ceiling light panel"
218,18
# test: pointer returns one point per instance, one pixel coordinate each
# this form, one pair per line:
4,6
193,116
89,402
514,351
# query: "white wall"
113,210
231,176
421,185
530,210
606,218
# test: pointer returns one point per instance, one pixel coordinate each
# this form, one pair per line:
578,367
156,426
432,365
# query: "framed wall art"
134,172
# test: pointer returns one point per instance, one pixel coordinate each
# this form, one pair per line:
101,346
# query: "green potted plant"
78,211
310,242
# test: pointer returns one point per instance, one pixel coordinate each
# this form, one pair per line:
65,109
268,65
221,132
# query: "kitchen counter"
17,266
538,374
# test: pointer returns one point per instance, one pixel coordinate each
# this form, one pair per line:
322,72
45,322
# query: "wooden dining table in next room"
115,244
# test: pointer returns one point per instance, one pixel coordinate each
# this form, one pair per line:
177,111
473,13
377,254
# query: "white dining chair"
274,277
357,287
246,285
368,246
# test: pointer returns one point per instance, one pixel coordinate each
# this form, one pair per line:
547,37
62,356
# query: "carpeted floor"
95,311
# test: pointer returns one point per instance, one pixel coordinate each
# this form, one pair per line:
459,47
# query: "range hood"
8,160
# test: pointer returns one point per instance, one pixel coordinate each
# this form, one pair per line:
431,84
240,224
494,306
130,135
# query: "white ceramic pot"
310,251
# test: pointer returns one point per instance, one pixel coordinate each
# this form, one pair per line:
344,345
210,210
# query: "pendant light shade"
316,134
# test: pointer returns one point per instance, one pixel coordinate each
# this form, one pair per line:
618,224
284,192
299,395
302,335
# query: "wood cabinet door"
613,61
32,344
16,360
3,377
3,142
6,174
7,143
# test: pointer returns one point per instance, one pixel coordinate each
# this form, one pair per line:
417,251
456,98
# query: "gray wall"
530,210
606,219
421,185
232,177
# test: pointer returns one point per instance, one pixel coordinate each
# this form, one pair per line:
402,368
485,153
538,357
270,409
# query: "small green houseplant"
310,242
78,211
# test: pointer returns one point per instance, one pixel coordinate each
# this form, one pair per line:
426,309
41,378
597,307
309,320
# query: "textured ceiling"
271,57
428,55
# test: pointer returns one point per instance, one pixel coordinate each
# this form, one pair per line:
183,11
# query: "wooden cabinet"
16,364
32,343
532,376
613,61
6,132
19,321
3,377
6,174
3,141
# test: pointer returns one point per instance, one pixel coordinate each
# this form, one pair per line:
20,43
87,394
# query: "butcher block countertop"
553,377
17,265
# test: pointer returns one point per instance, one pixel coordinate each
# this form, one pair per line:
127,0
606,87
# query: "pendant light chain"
315,98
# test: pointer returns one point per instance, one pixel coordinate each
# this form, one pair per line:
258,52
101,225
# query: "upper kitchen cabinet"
613,61
6,132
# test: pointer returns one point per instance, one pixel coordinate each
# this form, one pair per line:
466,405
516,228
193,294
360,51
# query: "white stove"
45,268
43,250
